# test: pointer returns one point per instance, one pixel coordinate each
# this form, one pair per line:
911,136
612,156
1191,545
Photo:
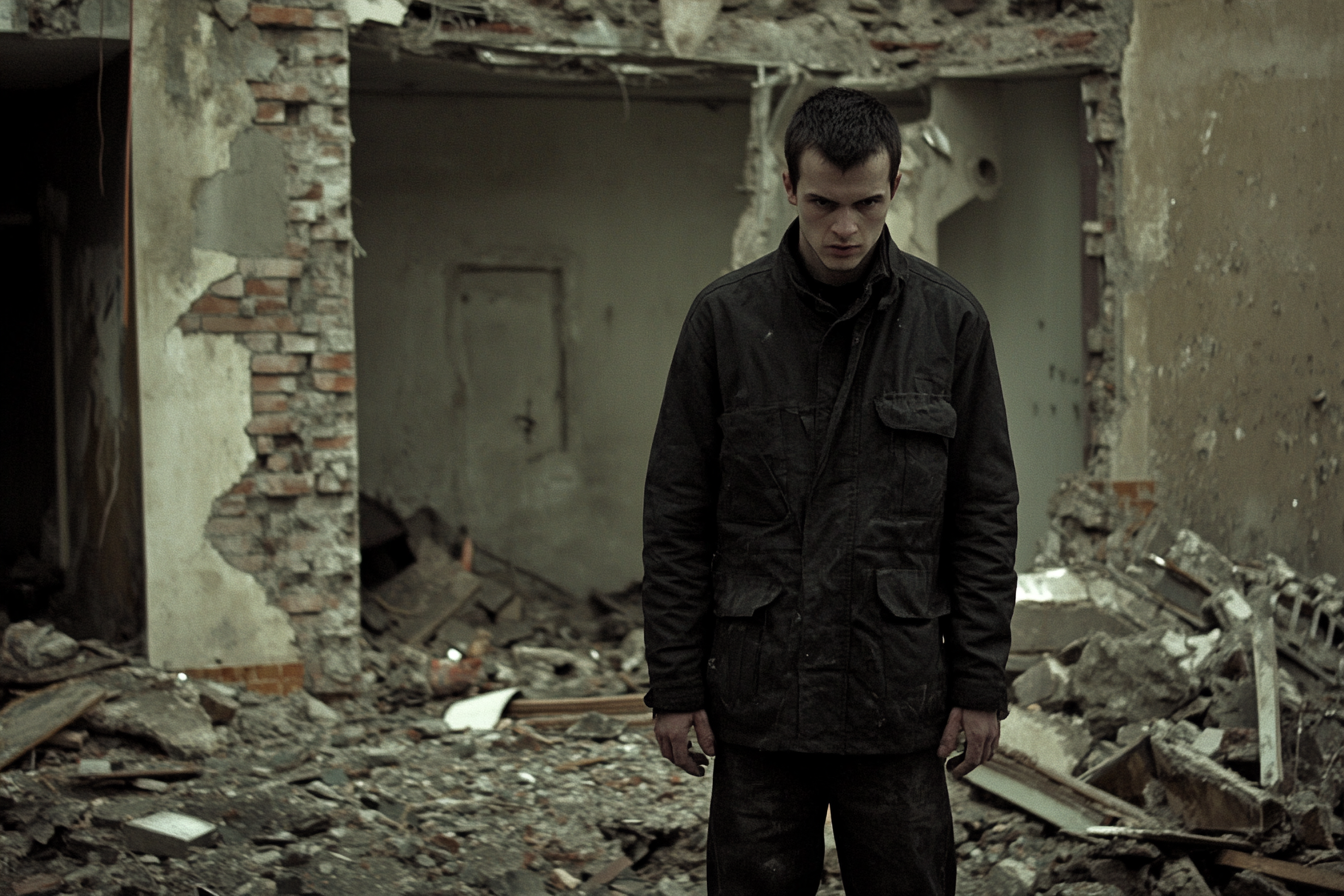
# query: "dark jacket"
830,511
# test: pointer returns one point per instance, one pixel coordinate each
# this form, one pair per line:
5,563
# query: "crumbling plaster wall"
1230,200
242,243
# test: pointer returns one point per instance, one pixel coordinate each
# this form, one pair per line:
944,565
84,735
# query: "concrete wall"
616,222
1232,321
195,391
1021,254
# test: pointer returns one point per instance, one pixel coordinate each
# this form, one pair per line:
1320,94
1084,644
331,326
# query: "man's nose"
846,223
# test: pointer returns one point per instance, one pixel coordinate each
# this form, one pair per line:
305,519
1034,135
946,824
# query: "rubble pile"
1176,729
1175,719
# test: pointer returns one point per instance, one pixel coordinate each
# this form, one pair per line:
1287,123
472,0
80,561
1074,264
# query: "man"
829,531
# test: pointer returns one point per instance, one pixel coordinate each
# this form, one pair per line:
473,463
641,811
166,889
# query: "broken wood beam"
1267,695
27,722
622,705
1291,871
1161,835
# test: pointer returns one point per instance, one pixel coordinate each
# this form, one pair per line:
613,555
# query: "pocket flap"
740,596
909,594
919,412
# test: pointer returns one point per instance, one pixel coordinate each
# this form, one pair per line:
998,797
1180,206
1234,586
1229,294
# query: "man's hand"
673,731
982,738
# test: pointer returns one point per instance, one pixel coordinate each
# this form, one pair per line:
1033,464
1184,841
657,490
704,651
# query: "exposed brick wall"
1101,242
290,521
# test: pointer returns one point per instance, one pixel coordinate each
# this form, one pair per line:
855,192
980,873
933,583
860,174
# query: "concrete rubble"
1131,752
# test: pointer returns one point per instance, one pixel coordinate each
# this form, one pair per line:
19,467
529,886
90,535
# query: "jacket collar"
884,280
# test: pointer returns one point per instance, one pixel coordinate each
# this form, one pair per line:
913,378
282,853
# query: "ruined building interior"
316,297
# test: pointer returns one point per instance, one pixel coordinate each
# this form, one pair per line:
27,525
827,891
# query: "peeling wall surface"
195,392
529,266
1232,326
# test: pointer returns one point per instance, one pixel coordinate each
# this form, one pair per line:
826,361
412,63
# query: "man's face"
840,214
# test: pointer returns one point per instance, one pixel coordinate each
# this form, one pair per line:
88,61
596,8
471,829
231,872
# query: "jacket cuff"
675,699
980,697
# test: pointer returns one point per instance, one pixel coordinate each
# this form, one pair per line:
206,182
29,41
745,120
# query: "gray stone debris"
37,646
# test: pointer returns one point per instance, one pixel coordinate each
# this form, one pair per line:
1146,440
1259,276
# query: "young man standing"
829,532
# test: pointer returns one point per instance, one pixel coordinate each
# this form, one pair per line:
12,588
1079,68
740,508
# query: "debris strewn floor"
1178,728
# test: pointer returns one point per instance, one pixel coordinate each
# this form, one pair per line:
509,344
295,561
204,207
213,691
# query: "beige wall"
621,220
1231,214
1020,253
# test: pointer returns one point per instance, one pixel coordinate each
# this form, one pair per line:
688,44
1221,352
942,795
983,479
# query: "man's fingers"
950,732
704,735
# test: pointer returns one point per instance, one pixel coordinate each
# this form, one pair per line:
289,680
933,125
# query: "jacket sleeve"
680,496
979,528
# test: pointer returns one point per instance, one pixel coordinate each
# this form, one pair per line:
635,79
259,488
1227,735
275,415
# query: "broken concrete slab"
1267,698
422,597
27,722
35,646
173,719
1055,607
1055,742
1045,684
1134,678
596,726
170,834
1208,797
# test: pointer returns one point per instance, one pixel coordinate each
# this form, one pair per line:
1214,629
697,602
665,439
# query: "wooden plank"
161,772
28,722
1109,801
1300,874
1267,697
1179,838
86,662
622,705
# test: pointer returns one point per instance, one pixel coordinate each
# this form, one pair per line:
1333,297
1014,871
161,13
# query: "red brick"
295,249
302,601
233,525
266,403
275,323
266,287
288,93
214,305
280,484
189,323
248,562
270,425
277,363
228,288
270,305
39,884
246,487
274,384
265,445
231,505
332,152
333,443
269,112
314,192
283,16
332,382
271,268
333,362
278,463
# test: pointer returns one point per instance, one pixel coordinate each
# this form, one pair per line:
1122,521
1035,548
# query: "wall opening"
71,542
1021,254
532,248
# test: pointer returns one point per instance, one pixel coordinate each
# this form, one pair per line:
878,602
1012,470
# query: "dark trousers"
891,816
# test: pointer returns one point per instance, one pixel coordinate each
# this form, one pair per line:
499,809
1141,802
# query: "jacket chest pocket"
753,470
917,428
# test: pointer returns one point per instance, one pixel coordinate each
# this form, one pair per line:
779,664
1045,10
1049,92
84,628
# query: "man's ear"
788,189
895,183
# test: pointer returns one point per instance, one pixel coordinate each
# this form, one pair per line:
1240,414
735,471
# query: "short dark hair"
846,126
